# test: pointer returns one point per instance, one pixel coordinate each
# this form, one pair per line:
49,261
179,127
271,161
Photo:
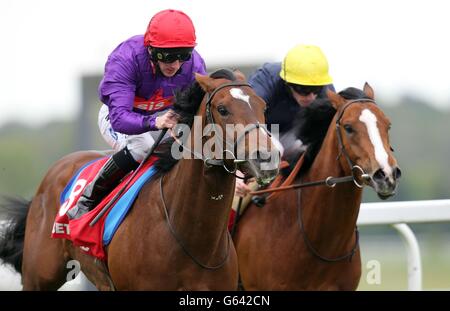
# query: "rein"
182,244
311,248
329,182
122,190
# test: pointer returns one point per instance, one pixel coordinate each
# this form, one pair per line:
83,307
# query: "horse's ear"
369,91
240,76
336,100
205,82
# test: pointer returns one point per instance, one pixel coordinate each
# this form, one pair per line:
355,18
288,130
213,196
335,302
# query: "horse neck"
330,212
199,201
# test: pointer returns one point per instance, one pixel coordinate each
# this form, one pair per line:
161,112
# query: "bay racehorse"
305,238
175,236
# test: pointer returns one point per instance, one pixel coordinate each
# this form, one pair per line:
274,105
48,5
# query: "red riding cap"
170,29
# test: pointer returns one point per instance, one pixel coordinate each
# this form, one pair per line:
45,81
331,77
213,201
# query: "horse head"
362,131
236,116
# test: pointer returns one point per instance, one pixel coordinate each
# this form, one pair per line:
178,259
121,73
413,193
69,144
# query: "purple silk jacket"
134,92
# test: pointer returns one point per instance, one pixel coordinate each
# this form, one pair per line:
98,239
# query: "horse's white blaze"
238,94
370,120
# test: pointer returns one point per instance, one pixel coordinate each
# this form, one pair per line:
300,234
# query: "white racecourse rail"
398,214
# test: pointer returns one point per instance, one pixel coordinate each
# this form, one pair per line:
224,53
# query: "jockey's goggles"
305,90
171,55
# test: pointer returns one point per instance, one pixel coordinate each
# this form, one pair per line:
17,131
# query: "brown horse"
175,237
308,240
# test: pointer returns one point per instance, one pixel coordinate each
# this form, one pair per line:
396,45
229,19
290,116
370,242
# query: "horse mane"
186,105
353,93
311,126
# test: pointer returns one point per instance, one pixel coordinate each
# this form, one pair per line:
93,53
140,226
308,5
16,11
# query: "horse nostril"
397,173
379,175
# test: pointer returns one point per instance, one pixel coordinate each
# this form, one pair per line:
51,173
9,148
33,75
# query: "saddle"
93,239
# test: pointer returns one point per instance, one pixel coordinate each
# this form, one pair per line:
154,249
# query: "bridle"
352,166
231,148
211,162
342,150
330,182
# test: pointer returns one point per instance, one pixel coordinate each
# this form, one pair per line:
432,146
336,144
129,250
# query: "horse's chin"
385,196
383,190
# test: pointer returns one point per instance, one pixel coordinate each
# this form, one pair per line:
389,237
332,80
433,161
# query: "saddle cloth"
92,240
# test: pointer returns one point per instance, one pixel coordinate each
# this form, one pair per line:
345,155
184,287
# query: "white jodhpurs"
138,145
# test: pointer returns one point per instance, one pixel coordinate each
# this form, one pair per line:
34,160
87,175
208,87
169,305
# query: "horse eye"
223,111
348,128
392,149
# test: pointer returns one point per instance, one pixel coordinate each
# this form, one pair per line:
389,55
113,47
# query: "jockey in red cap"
137,89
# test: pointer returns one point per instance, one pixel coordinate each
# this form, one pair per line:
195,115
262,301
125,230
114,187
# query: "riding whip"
118,194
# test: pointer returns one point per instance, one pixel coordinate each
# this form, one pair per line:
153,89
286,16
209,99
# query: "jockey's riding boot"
109,176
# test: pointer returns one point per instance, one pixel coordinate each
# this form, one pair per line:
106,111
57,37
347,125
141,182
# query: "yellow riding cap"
305,65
